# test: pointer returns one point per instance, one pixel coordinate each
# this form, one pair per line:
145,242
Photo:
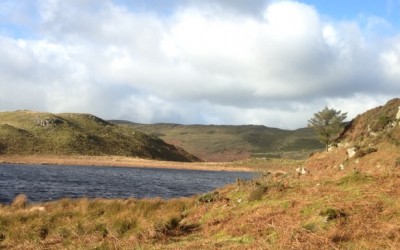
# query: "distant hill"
34,133
226,143
370,142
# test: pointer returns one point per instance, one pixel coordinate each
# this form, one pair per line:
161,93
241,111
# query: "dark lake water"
48,182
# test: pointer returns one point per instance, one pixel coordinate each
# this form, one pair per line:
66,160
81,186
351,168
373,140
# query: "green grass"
221,143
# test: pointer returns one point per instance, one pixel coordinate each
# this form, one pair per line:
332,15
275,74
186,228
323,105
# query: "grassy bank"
280,210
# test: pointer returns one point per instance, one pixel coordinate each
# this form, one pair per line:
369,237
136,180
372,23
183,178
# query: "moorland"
344,198
216,143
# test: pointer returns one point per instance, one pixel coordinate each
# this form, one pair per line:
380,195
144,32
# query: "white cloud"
202,63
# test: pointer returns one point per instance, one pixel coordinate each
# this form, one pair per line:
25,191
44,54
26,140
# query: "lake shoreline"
119,161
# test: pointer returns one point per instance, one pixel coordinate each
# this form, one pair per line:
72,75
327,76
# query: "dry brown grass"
98,223
355,208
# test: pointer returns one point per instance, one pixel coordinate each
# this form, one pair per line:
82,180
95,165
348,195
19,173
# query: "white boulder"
351,152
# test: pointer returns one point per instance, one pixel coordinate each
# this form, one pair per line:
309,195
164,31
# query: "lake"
50,182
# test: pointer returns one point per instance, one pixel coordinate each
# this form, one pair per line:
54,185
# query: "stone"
301,171
351,152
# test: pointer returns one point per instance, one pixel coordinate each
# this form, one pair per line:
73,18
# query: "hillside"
227,143
370,142
34,133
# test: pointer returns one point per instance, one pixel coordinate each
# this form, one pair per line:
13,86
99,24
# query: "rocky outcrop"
50,121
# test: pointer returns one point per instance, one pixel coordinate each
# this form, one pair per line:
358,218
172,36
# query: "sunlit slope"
32,133
224,143
370,142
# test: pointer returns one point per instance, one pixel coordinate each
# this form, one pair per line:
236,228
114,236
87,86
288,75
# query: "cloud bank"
273,63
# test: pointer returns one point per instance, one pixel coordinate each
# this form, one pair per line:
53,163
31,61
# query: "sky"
268,62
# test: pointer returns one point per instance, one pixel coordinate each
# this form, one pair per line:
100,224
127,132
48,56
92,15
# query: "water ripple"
45,183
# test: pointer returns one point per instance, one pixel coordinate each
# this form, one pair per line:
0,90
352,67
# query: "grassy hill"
34,133
226,143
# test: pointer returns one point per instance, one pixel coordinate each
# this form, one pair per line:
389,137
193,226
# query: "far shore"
119,161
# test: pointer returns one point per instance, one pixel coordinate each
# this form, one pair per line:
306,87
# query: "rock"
47,122
341,166
301,171
351,152
398,114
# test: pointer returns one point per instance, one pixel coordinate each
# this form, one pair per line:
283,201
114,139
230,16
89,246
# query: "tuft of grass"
332,214
257,193
363,152
209,197
310,227
20,201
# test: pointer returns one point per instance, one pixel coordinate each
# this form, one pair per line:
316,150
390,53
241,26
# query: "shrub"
209,197
257,193
380,123
363,152
355,177
332,214
310,227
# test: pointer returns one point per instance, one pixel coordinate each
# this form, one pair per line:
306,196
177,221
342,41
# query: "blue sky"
351,9
211,61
